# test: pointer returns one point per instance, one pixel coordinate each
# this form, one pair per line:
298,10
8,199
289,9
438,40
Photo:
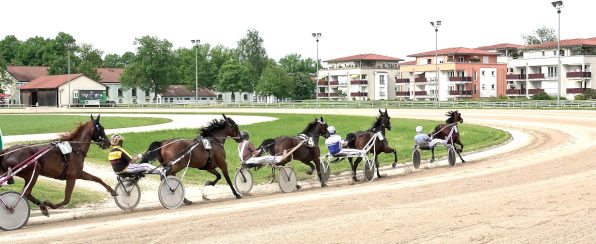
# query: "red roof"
408,63
454,50
569,42
50,81
501,46
27,73
181,91
110,75
369,56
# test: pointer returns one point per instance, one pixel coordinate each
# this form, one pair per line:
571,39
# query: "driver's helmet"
331,129
244,135
116,139
419,129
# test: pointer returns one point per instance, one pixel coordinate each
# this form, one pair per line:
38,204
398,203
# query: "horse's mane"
376,123
71,134
449,120
309,127
211,126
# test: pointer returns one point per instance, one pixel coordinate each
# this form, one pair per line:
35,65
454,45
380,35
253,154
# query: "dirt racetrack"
543,190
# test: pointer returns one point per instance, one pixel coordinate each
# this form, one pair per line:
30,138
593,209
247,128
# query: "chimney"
101,66
43,65
11,64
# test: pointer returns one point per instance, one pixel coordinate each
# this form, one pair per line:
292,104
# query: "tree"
5,80
275,81
113,61
541,35
153,68
234,77
304,86
10,47
186,67
127,58
340,94
250,49
294,63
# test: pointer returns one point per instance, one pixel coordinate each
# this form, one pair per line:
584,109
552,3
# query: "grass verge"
53,191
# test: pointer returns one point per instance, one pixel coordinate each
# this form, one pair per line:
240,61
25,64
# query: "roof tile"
369,56
27,73
181,91
568,42
454,50
48,82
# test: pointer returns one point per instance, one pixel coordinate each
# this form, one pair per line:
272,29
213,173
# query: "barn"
53,90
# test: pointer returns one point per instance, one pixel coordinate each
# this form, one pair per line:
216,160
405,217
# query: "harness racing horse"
359,139
200,158
56,165
442,132
306,153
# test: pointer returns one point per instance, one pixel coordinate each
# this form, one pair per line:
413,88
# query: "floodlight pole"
69,99
196,44
317,36
436,26
559,6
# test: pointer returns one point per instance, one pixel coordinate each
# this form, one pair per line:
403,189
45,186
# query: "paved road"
539,188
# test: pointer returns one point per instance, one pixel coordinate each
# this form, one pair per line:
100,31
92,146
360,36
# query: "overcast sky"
395,28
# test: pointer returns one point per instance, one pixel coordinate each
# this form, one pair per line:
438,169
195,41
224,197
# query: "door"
33,98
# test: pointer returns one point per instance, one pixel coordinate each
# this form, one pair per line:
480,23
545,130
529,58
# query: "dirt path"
537,189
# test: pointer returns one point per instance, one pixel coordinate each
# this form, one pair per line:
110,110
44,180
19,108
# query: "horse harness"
66,149
310,140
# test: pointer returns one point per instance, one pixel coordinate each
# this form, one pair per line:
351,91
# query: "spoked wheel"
451,157
129,195
369,170
325,172
243,181
416,159
18,217
171,192
287,179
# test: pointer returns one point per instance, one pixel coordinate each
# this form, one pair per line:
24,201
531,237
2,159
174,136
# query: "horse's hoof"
271,180
323,185
298,187
187,202
208,183
309,172
114,194
432,160
463,161
44,211
394,165
238,197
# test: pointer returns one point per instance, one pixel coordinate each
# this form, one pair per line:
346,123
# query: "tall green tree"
275,81
188,58
113,60
304,86
5,80
235,77
541,35
153,68
294,63
127,58
251,49
10,47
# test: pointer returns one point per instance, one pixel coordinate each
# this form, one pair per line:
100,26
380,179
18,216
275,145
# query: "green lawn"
401,138
37,124
55,193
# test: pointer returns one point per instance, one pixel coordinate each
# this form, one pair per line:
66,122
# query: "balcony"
402,94
420,80
402,80
359,82
323,83
534,91
359,94
516,77
535,76
515,92
420,93
460,93
579,74
460,79
576,90
334,83
323,94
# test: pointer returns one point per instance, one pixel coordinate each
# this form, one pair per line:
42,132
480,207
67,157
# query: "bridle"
97,135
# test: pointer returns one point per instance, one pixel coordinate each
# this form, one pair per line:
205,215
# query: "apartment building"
537,69
508,51
359,77
463,73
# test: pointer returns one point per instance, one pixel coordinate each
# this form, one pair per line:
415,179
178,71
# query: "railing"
359,82
420,93
322,94
515,92
460,79
535,76
402,93
575,90
402,80
534,91
359,94
333,83
460,93
323,83
8,105
579,74
420,80
516,77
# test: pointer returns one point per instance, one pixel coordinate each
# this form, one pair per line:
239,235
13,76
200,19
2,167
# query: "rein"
448,125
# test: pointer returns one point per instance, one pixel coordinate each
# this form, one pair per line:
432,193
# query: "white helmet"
419,129
331,129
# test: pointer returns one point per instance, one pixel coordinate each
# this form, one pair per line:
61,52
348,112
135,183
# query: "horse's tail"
153,152
267,145
351,139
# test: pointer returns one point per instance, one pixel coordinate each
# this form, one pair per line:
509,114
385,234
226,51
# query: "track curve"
539,188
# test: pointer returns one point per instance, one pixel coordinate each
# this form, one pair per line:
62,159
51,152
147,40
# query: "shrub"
580,97
541,96
450,60
474,60
502,97
514,54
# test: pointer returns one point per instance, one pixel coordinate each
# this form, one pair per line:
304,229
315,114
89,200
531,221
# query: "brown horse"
54,165
359,139
305,153
442,132
216,132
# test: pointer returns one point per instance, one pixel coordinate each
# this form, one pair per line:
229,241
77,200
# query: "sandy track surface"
537,189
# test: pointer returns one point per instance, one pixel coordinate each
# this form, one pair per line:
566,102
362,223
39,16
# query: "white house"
53,90
111,78
179,94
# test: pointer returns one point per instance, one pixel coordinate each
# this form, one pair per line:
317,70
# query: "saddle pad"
64,147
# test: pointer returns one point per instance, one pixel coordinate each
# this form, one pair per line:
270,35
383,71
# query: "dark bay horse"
216,132
442,132
305,153
53,164
359,139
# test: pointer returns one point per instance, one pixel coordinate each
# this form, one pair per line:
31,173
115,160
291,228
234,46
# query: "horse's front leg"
432,149
459,151
377,165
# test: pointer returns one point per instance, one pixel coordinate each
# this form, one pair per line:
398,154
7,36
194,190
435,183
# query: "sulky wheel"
451,156
287,179
325,172
171,192
369,170
129,194
243,181
416,159
17,217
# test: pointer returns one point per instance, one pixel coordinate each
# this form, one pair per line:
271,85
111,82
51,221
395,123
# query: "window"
493,73
364,77
552,71
555,52
461,59
542,53
219,96
147,93
203,98
382,79
211,98
562,52
134,92
493,86
119,92
483,86
450,74
134,100
76,94
475,89
483,74
485,59
429,61
440,60
245,97
147,100
187,98
119,100
475,75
